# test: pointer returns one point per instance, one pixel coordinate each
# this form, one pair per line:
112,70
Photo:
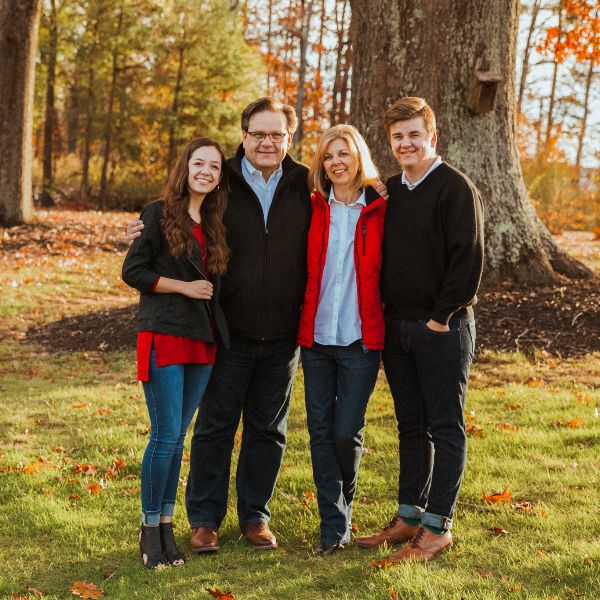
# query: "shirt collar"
361,199
411,186
254,173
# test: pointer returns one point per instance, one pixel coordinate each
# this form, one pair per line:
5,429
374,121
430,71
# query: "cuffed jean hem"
254,521
168,508
211,524
410,511
151,519
438,521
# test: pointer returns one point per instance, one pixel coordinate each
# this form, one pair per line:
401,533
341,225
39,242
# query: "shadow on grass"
105,330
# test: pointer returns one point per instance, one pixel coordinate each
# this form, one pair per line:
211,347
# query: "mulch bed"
562,320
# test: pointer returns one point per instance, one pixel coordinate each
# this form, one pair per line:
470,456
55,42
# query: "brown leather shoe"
259,536
204,539
425,546
396,532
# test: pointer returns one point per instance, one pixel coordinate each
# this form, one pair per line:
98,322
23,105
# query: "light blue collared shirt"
337,322
433,167
264,190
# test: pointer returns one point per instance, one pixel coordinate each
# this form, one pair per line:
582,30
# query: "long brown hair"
177,224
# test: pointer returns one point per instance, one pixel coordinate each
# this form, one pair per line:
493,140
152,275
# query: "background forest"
120,85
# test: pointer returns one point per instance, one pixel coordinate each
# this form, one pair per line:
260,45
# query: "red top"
367,262
173,349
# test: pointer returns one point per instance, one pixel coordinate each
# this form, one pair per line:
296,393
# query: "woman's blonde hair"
367,171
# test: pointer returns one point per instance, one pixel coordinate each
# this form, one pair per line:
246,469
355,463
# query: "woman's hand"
134,229
435,326
200,289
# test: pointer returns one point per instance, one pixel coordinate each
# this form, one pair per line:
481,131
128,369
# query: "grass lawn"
73,429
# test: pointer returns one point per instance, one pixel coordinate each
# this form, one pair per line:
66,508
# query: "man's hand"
435,326
134,229
381,189
200,289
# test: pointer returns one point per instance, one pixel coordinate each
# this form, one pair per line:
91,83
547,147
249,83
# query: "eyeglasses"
260,136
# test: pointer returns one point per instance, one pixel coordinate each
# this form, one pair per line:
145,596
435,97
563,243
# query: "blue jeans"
172,396
427,372
252,380
338,381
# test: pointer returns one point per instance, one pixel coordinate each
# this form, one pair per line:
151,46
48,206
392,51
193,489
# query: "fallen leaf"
131,490
17,596
85,469
310,496
504,496
381,564
103,410
584,398
34,591
74,497
81,404
354,528
485,573
59,449
574,423
513,405
524,506
306,505
517,587
33,467
93,488
86,590
498,530
474,430
535,382
393,593
504,426
217,593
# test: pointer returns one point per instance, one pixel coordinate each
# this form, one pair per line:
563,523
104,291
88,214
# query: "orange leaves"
472,428
393,593
103,410
84,469
33,467
497,497
381,564
118,464
86,590
571,424
93,488
309,498
81,405
535,382
504,426
217,593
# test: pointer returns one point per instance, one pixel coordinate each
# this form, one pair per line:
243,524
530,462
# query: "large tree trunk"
19,22
430,49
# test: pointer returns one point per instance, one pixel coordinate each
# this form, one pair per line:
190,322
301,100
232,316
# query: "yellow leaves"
497,497
86,590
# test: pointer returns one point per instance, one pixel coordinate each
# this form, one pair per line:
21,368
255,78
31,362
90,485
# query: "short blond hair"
367,171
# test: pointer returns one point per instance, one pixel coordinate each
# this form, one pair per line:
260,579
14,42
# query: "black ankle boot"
172,553
151,548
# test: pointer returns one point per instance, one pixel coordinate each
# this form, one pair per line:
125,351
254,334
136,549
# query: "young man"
432,264
267,221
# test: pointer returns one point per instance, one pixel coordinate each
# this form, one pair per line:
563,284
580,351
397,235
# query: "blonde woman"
341,328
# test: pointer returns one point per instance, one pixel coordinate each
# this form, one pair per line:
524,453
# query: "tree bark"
108,129
584,117
430,49
19,23
341,28
306,16
46,199
535,9
175,104
552,101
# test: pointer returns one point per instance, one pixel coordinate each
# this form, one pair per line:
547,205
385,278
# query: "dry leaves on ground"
217,593
86,590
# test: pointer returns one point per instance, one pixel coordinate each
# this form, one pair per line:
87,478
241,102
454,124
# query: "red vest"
367,263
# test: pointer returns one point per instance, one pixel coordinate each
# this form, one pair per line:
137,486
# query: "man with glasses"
267,222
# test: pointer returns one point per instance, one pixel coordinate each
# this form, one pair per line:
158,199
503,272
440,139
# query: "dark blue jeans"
338,381
172,396
427,372
252,380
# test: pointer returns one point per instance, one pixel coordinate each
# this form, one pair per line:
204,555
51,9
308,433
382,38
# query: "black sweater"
432,247
149,258
264,286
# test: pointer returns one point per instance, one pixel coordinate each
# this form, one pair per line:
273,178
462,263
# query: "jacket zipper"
364,238
205,278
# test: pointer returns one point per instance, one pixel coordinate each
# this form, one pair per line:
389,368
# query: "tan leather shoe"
425,546
396,532
204,539
259,536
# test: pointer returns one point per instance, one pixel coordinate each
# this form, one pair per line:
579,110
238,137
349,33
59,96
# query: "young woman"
341,325
176,264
